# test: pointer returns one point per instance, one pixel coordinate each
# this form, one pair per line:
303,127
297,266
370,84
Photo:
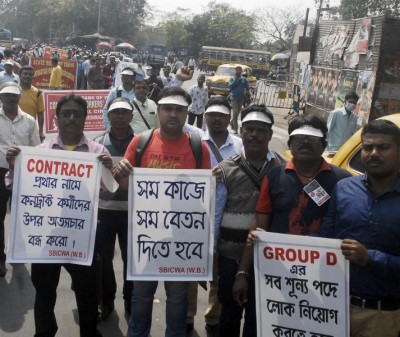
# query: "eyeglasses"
76,113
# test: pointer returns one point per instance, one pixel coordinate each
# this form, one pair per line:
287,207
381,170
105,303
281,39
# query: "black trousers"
193,116
45,278
111,224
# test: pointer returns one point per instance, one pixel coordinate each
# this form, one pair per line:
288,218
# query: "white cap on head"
307,130
9,62
10,89
174,99
256,116
218,108
129,72
120,105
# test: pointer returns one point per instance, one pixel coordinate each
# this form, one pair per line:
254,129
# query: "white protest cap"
128,71
218,108
174,99
120,105
307,130
9,62
10,89
256,116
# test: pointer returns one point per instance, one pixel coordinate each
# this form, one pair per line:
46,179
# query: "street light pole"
98,18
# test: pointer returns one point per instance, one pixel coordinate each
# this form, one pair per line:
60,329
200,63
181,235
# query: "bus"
5,38
156,54
212,57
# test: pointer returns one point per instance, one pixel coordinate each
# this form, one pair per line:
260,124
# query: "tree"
353,9
277,25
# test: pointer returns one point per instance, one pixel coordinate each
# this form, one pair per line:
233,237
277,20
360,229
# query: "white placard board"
54,207
171,224
302,286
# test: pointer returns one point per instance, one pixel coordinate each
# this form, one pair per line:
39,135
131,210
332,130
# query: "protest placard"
171,225
43,69
96,100
54,207
302,286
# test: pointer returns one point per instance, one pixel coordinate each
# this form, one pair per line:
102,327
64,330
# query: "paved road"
17,293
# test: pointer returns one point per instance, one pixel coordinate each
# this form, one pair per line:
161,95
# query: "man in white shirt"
144,113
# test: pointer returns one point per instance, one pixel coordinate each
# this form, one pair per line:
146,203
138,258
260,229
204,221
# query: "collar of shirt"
228,141
324,166
270,155
19,114
396,186
140,104
121,87
57,143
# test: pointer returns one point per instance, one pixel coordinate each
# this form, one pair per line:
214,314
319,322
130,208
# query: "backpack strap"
39,92
144,139
195,144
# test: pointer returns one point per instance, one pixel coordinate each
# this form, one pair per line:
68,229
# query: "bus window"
227,56
220,56
249,58
234,58
213,55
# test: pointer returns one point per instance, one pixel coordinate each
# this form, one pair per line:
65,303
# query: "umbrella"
125,45
279,56
104,45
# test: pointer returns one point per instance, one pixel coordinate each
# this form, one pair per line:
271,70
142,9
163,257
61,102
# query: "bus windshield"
5,37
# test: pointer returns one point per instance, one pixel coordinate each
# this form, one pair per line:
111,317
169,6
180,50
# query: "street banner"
43,68
96,100
49,52
302,286
171,224
54,207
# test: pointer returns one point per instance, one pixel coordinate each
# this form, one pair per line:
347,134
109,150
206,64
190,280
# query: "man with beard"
236,199
71,112
364,212
286,203
31,100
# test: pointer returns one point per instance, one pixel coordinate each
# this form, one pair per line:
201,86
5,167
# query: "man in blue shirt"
237,84
364,212
342,122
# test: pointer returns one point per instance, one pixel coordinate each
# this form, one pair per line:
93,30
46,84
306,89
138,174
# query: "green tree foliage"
220,25
353,9
42,19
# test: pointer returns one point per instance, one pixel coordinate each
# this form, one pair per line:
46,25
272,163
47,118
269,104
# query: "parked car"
218,83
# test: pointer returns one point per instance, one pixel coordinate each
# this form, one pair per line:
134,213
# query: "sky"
197,6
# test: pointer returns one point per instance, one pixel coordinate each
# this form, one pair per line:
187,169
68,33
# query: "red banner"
43,70
49,52
96,100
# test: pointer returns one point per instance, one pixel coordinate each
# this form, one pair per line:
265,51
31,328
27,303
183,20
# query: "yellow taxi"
218,83
348,156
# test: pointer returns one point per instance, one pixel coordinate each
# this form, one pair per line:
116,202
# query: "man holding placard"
168,147
293,197
235,204
364,212
71,112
